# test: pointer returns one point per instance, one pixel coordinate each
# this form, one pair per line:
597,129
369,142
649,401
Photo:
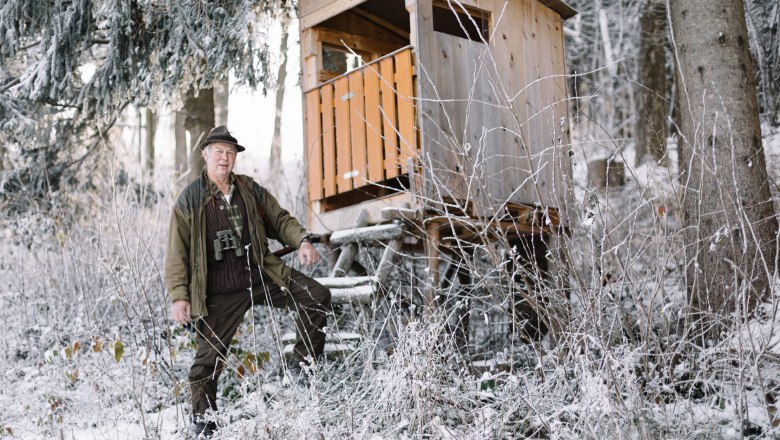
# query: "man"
218,250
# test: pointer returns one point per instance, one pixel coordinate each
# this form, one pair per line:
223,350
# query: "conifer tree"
78,63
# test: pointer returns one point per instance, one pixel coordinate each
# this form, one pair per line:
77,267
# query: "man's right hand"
180,311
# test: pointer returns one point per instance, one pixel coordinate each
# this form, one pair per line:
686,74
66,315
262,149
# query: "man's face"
220,159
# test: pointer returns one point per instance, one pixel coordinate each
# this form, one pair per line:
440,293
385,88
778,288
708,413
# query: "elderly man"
218,265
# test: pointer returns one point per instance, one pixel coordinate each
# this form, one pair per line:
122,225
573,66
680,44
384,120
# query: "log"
397,213
352,295
349,250
346,281
386,262
370,233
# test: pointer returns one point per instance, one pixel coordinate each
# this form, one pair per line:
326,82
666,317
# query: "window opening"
338,60
461,21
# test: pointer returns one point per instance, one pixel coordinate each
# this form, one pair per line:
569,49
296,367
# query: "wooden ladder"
357,290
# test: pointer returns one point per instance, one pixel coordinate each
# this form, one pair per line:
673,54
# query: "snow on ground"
87,352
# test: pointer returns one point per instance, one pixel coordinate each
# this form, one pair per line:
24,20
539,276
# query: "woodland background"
671,329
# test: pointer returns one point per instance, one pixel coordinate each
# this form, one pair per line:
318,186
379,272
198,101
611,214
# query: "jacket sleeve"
177,258
289,230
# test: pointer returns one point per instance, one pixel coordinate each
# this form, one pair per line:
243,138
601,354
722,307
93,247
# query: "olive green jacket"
185,261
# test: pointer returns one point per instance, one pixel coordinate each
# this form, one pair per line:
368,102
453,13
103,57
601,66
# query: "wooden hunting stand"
430,107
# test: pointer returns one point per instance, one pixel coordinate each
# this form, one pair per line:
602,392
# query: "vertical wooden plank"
406,121
444,140
517,140
500,119
532,96
373,124
421,37
310,52
357,124
328,141
479,149
561,110
343,147
314,144
545,18
389,121
455,75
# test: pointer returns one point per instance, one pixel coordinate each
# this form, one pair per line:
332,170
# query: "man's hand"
180,311
307,254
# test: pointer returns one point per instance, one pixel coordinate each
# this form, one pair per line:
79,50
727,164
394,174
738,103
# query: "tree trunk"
276,142
180,136
198,120
221,100
652,106
730,224
149,145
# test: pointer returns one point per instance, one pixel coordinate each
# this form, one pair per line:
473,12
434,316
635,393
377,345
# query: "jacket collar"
211,187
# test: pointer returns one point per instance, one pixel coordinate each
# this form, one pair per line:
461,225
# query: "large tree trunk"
652,107
281,77
198,120
728,214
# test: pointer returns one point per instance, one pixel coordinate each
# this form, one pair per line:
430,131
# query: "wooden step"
353,295
350,290
343,282
368,233
338,337
331,348
336,344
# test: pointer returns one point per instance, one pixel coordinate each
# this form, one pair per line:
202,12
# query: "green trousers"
308,297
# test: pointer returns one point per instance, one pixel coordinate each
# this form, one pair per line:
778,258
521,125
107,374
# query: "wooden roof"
314,12
559,6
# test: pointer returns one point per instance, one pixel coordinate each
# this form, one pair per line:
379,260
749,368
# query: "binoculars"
227,241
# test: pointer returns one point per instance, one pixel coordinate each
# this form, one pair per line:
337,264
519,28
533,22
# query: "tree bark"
276,141
198,120
149,144
221,101
652,105
180,137
727,207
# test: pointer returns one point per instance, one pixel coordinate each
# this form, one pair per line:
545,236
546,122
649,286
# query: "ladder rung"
378,232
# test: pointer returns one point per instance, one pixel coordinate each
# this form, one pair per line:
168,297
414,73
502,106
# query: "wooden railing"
360,126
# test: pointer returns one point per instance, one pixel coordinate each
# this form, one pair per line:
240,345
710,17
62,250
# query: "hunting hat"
221,134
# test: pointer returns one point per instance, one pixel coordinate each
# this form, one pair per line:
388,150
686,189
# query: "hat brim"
239,147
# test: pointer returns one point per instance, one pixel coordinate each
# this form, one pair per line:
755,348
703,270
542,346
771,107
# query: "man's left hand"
307,254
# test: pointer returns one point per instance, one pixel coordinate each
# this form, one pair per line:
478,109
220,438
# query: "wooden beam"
433,254
314,12
370,233
422,38
314,144
381,22
349,250
383,269
356,42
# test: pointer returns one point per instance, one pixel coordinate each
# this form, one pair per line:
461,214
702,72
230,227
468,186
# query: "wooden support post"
386,262
349,250
432,251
